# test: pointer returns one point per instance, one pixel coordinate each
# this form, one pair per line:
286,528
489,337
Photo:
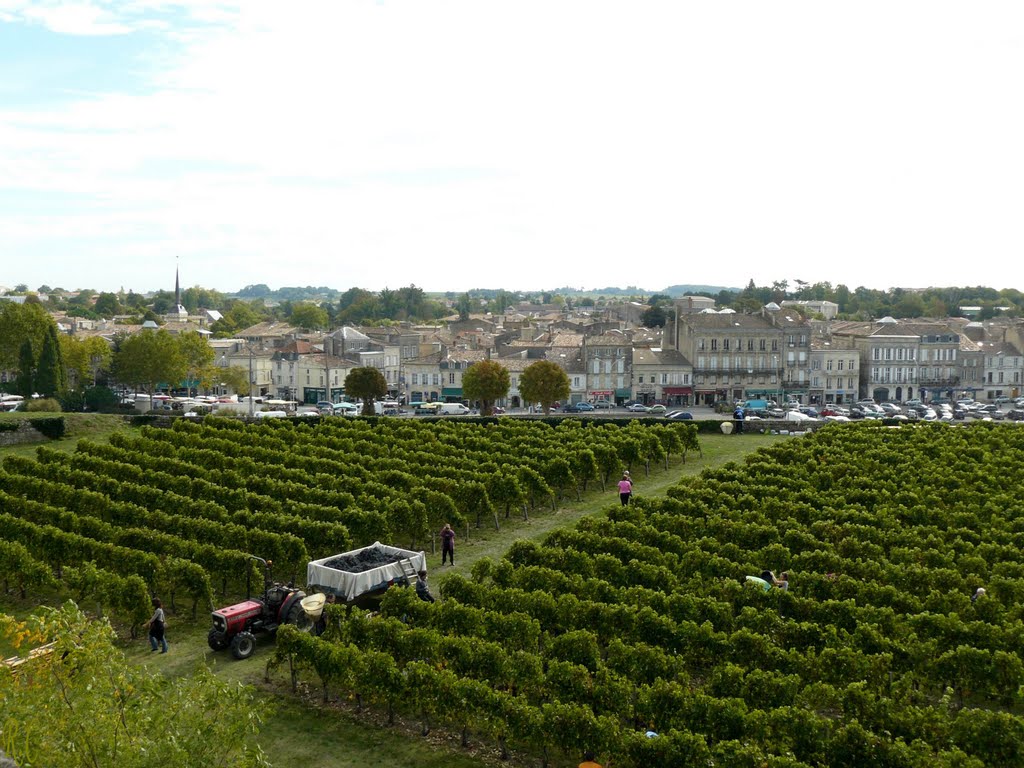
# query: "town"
667,351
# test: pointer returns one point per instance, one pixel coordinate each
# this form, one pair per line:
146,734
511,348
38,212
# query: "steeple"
177,284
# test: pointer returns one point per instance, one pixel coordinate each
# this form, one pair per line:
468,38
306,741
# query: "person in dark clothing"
158,627
447,544
737,417
422,590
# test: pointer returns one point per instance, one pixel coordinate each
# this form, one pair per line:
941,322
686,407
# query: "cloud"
531,143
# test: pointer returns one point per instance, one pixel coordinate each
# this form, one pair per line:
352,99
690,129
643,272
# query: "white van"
453,409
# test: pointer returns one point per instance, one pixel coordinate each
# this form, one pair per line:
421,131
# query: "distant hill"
690,290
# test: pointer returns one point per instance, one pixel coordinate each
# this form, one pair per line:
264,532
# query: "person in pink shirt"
625,489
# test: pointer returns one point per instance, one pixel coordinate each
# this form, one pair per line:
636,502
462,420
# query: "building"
661,376
834,371
739,356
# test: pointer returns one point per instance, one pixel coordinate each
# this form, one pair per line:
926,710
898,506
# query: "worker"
588,761
422,590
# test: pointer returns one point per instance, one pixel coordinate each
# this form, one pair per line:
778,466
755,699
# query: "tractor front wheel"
217,640
243,645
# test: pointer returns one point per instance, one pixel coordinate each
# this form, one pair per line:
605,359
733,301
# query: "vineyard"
177,511
641,620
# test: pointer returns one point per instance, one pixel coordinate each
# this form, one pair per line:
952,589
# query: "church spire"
177,284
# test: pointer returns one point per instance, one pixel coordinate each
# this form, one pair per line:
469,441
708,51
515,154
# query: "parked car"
1002,399
797,416
603,404
577,408
637,408
1015,414
808,410
657,408
687,416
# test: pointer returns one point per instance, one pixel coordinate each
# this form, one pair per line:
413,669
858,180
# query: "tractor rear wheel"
298,617
217,640
243,645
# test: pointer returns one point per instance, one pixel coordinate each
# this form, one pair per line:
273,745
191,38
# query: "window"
876,353
761,345
700,344
725,345
714,345
839,365
775,345
437,379
750,345
640,380
576,382
664,378
451,378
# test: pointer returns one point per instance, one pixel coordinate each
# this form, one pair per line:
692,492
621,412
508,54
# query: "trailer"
364,574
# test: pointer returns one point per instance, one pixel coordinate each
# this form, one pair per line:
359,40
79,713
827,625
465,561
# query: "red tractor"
236,626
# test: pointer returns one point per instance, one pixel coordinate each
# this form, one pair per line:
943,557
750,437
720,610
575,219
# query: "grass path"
78,426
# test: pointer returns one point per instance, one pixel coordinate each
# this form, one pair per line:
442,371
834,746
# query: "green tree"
84,705
51,378
107,305
198,356
19,323
487,381
149,358
309,316
236,377
544,382
367,384
654,317
26,370
464,306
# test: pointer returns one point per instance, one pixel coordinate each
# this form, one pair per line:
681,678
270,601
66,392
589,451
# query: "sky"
520,145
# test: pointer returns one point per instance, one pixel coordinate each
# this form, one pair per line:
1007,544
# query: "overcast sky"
518,145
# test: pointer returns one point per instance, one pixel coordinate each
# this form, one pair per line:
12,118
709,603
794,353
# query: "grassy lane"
716,450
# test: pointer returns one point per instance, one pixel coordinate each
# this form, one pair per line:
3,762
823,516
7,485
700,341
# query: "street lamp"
252,382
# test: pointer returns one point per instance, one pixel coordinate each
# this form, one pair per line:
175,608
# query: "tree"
545,383
235,377
654,317
198,356
486,381
309,316
367,384
20,323
150,358
464,305
26,370
110,712
51,378
107,305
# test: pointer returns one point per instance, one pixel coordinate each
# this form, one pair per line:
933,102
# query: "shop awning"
677,390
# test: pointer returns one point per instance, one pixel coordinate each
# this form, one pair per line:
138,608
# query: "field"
573,623
282,739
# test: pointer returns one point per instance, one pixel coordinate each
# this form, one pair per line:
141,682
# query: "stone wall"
25,433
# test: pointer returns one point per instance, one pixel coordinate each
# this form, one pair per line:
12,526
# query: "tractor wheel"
298,618
243,645
217,640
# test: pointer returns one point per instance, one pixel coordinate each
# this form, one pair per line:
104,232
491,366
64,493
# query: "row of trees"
485,382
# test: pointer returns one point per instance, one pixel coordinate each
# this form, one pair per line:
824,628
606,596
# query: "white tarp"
350,585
